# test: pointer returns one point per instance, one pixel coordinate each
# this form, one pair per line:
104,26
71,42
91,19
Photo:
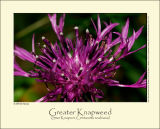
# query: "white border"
35,115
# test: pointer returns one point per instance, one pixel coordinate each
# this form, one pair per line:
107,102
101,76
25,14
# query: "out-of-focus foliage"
132,67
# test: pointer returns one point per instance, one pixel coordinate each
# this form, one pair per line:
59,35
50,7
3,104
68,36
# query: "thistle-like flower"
73,67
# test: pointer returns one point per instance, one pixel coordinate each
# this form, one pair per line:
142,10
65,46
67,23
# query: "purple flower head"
73,67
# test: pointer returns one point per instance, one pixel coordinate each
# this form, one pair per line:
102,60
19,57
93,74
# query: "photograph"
80,57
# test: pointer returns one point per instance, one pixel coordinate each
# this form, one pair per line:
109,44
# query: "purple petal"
109,41
107,30
58,91
139,32
131,86
71,95
24,55
141,78
99,25
124,55
125,29
41,99
33,48
69,87
131,41
94,25
137,50
98,96
139,84
115,42
19,71
53,21
61,22
105,23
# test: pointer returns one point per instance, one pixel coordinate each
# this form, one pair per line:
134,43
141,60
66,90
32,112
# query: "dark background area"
132,67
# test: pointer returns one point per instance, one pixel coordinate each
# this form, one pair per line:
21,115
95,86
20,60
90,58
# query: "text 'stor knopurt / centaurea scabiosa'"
73,67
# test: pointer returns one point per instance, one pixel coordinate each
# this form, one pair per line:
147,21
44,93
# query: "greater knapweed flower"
73,67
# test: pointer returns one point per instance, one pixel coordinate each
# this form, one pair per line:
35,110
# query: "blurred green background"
132,67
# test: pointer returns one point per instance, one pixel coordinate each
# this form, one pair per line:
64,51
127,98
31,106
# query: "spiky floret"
74,67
